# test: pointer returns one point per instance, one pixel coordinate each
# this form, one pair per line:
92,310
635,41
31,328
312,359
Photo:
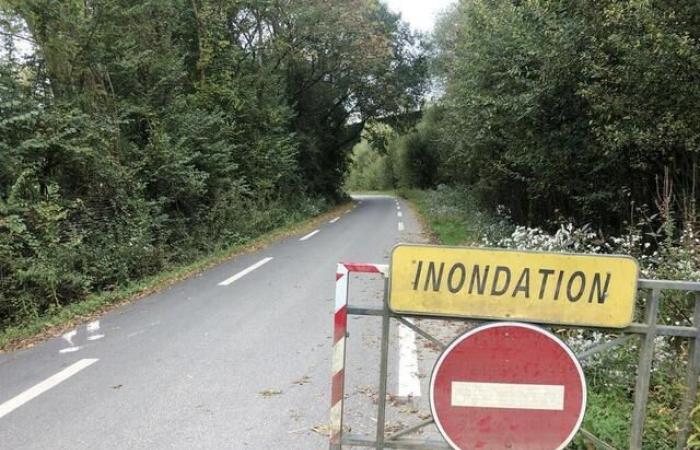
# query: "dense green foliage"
455,217
571,109
369,170
386,159
557,110
137,134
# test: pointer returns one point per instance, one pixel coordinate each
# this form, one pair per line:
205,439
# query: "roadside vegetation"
582,112
566,126
56,320
455,217
139,136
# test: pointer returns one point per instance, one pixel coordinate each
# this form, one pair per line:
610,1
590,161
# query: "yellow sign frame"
485,283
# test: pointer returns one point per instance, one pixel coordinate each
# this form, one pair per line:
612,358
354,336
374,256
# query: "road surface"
237,357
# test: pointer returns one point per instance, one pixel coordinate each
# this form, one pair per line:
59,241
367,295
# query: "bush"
457,217
570,109
369,170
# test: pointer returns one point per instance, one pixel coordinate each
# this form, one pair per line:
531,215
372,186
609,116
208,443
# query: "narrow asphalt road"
238,357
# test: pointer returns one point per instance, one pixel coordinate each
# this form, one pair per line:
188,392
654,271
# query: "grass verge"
453,216
443,229
55,323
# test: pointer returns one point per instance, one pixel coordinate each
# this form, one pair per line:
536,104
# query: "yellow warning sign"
557,288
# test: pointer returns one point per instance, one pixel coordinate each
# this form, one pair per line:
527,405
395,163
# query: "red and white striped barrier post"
340,328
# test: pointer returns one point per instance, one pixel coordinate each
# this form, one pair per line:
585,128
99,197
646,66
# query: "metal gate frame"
647,331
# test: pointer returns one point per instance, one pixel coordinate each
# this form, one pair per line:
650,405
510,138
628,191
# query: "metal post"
646,355
691,379
383,368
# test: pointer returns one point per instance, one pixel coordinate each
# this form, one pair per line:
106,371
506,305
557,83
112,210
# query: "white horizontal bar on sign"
245,272
505,395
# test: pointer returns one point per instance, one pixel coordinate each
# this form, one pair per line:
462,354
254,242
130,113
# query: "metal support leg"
691,380
383,369
646,356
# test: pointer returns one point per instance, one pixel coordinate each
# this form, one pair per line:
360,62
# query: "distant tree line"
395,156
139,133
586,111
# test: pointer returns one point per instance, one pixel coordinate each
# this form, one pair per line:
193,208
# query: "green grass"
450,231
453,216
446,229
60,319
607,417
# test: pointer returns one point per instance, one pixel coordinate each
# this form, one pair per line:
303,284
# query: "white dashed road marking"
70,349
245,272
93,329
68,337
334,220
38,389
313,233
400,214
401,227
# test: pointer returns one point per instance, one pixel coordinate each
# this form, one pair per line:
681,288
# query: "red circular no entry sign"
508,386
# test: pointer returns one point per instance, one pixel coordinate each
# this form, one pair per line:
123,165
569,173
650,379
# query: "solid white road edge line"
334,220
310,235
38,389
409,384
506,395
245,272
401,226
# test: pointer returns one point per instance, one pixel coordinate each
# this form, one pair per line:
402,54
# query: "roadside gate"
504,291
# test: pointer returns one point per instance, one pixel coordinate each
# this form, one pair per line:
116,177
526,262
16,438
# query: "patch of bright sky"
420,14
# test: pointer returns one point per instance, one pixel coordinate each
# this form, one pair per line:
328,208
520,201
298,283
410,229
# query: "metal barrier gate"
647,331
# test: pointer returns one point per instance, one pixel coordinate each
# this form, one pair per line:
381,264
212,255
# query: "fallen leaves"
302,381
325,429
269,393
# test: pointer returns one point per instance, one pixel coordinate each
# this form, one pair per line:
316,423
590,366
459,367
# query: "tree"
556,109
139,133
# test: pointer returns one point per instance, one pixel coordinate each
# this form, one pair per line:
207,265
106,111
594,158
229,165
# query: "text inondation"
541,283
